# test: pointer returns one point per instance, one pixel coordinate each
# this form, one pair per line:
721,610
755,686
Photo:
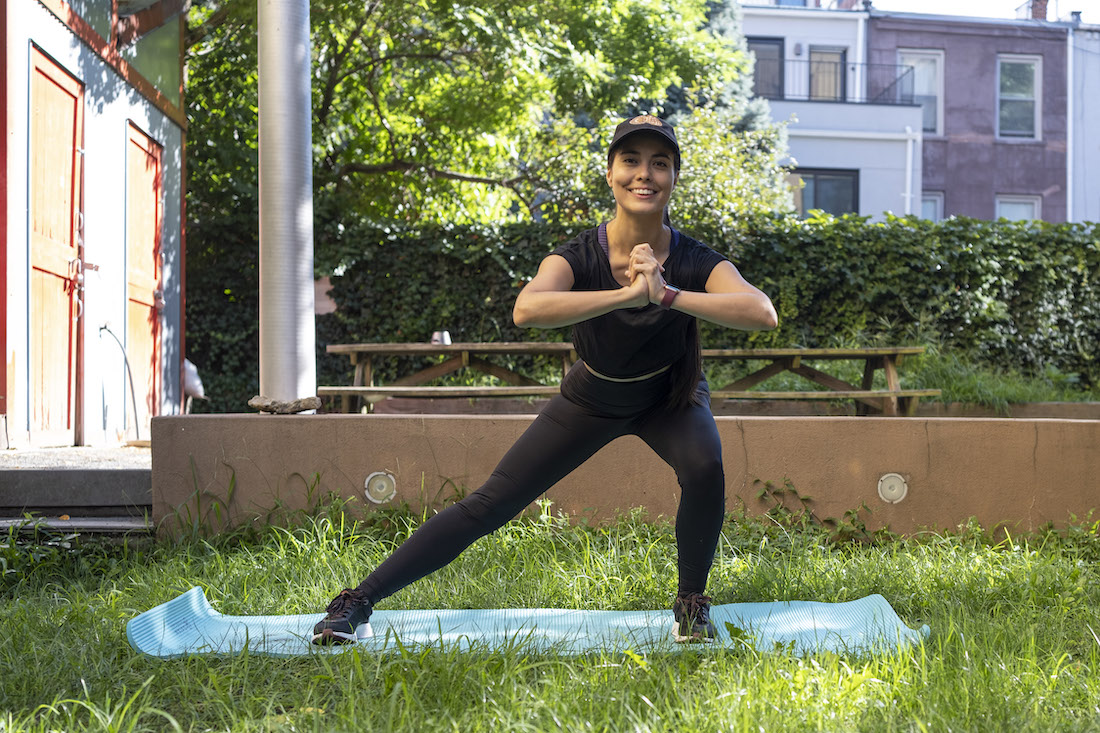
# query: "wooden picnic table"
887,358
890,401
459,356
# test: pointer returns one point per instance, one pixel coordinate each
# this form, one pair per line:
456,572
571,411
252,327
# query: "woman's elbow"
768,319
520,316
523,314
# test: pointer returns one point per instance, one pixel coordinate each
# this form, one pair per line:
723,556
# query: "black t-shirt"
630,342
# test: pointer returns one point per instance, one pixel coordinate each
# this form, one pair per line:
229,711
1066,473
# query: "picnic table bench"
458,356
890,401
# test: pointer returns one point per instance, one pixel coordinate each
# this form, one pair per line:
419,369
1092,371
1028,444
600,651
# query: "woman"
632,290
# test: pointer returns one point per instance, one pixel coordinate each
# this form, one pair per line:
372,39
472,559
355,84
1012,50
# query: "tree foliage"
461,111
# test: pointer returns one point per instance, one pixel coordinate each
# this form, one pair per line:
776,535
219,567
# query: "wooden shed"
91,227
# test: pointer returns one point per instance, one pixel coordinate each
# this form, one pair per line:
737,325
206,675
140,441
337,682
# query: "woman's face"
642,174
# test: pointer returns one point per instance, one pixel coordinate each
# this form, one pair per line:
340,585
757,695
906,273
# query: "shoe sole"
690,638
329,636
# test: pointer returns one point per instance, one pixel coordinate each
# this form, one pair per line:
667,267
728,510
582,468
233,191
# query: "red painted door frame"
144,298
56,264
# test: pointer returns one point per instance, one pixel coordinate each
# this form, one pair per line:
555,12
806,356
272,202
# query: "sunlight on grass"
1014,642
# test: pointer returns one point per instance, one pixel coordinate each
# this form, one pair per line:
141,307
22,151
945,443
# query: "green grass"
961,381
1014,643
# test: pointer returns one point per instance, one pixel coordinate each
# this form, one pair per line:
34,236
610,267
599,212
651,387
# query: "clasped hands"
647,285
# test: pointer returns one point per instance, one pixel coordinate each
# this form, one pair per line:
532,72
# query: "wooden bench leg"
364,376
868,381
892,383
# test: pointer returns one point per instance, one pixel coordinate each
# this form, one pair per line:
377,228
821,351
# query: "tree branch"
198,33
334,76
404,166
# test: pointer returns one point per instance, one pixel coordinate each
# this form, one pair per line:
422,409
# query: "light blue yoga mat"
188,624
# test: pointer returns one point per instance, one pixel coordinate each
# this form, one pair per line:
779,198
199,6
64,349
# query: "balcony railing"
820,4
831,81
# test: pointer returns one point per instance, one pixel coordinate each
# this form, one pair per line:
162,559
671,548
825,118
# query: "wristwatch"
670,295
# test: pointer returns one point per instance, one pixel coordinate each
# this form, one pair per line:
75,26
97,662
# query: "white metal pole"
1071,127
288,363
909,143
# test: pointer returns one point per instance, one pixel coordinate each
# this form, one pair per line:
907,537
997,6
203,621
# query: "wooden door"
143,295
56,134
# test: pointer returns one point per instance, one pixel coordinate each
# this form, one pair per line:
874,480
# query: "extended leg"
561,438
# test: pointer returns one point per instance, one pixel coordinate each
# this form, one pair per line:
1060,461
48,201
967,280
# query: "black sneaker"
347,615
692,613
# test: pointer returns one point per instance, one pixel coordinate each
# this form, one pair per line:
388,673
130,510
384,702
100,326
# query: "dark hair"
686,372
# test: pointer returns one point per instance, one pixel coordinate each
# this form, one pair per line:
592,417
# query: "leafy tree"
729,175
454,110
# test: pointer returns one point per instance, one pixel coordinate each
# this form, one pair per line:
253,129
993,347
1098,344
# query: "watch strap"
669,296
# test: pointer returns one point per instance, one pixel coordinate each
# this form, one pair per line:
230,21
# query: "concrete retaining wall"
230,469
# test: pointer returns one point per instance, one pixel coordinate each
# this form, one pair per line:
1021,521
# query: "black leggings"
588,414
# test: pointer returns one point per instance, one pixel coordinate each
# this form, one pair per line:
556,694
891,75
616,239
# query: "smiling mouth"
642,191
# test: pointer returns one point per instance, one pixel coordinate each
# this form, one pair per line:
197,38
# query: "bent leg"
687,439
561,438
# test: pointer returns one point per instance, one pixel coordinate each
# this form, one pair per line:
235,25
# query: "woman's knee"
704,476
487,512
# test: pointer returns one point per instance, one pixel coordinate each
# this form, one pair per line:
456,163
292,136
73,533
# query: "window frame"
939,56
799,174
779,42
840,77
1037,114
936,198
1017,198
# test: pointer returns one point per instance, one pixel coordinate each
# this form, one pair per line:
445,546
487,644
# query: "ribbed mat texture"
188,624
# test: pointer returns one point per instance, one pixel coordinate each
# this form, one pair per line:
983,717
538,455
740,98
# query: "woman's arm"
729,299
549,302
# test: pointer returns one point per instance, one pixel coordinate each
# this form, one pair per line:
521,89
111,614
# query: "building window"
931,205
1019,208
767,74
831,190
926,85
827,67
1019,91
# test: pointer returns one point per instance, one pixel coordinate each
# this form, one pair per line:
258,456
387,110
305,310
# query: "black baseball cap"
644,123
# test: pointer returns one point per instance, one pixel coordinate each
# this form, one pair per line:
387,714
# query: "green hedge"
1024,296
222,302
